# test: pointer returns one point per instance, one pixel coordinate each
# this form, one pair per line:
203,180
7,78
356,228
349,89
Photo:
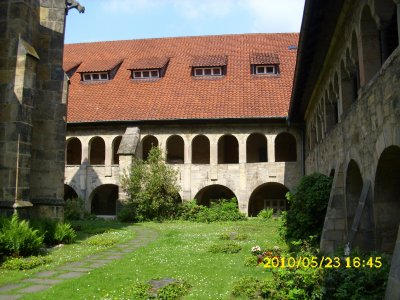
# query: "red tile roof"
264,58
179,95
209,61
93,65
148,63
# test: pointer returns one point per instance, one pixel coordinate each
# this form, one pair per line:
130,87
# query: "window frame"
265,67
133,76
203,71
90,76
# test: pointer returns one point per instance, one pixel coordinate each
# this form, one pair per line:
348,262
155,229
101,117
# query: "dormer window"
95,76
145,74
265,69
208,71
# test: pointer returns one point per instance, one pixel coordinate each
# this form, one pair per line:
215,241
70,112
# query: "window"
95,76
145,74
265,69
215,71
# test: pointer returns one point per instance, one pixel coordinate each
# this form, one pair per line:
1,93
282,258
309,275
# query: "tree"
152,189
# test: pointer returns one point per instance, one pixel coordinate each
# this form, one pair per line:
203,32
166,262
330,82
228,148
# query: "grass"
104,230
181,251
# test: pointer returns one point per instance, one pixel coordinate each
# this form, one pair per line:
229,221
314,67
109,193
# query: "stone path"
46,279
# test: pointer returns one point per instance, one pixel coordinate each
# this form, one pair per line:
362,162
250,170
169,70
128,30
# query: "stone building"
216,105
32,106
347,96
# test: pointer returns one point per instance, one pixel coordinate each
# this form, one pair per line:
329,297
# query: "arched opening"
97,154
268,195
285,147
201,150
115,146
147,143
349,84
371,57
74,151
175,150
228,150
354,185
69,192
213,193
389,37
332,173
256,148
387,199
104,199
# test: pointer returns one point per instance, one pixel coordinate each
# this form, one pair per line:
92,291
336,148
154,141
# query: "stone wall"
241,178
31,107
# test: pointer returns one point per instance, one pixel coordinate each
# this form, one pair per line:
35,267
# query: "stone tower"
32,106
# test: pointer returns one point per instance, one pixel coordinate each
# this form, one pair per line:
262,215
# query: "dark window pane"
217,71
207,71
146,74
154,73
198,72
95,76
260,70
270,70
86,77
104,76
137,74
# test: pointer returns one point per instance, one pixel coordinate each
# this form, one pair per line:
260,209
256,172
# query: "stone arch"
387,199
175,150
69,192
201,150
74,151
103,199
228,149
370,46
97,151
268,195
285,147
148,142
256,148
115,146
331,109
213,193
353,188
388,31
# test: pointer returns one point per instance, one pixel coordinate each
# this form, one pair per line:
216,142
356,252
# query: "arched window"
69,193
147,143
115,146
285,147
104,199
371,57
74,151
175,150
213,193
97,151
268,195
228,150
389,37
256,148
201,150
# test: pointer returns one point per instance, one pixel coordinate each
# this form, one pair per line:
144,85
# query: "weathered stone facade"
32,105
352,121
203,172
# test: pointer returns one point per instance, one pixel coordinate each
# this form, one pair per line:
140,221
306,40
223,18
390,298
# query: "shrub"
251,261
152,188
47,227
19,263
229,247
18,239
101,241
128,213
250,288
266,214
64,233
74,209
307,208
174,290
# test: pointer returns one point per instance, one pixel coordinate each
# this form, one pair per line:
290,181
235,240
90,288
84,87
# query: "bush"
18,239
64,233
74,209
229,247
266,214
152,189
175,290
250,288
101,241
307,208
220,210
47,227
19,263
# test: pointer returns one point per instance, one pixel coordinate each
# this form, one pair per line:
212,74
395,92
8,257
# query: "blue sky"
106,20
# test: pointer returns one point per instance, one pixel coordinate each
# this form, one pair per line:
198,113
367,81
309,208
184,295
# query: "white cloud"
273,15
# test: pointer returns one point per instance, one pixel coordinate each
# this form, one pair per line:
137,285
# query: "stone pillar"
242,149
271,148
213,151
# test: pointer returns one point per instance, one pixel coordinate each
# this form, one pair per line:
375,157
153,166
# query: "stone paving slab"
9,287
34,288
42,280
96,265
85,270
70,275
112,257
46,274
10,297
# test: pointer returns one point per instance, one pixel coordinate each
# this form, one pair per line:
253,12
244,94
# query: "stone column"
271,148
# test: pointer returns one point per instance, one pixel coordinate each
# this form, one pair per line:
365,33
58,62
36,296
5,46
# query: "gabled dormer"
264,64
148,68
99,70
209,65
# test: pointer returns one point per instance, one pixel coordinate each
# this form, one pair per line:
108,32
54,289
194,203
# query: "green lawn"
181,251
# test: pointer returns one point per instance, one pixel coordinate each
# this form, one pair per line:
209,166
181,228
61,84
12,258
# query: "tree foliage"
152,189
308,203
